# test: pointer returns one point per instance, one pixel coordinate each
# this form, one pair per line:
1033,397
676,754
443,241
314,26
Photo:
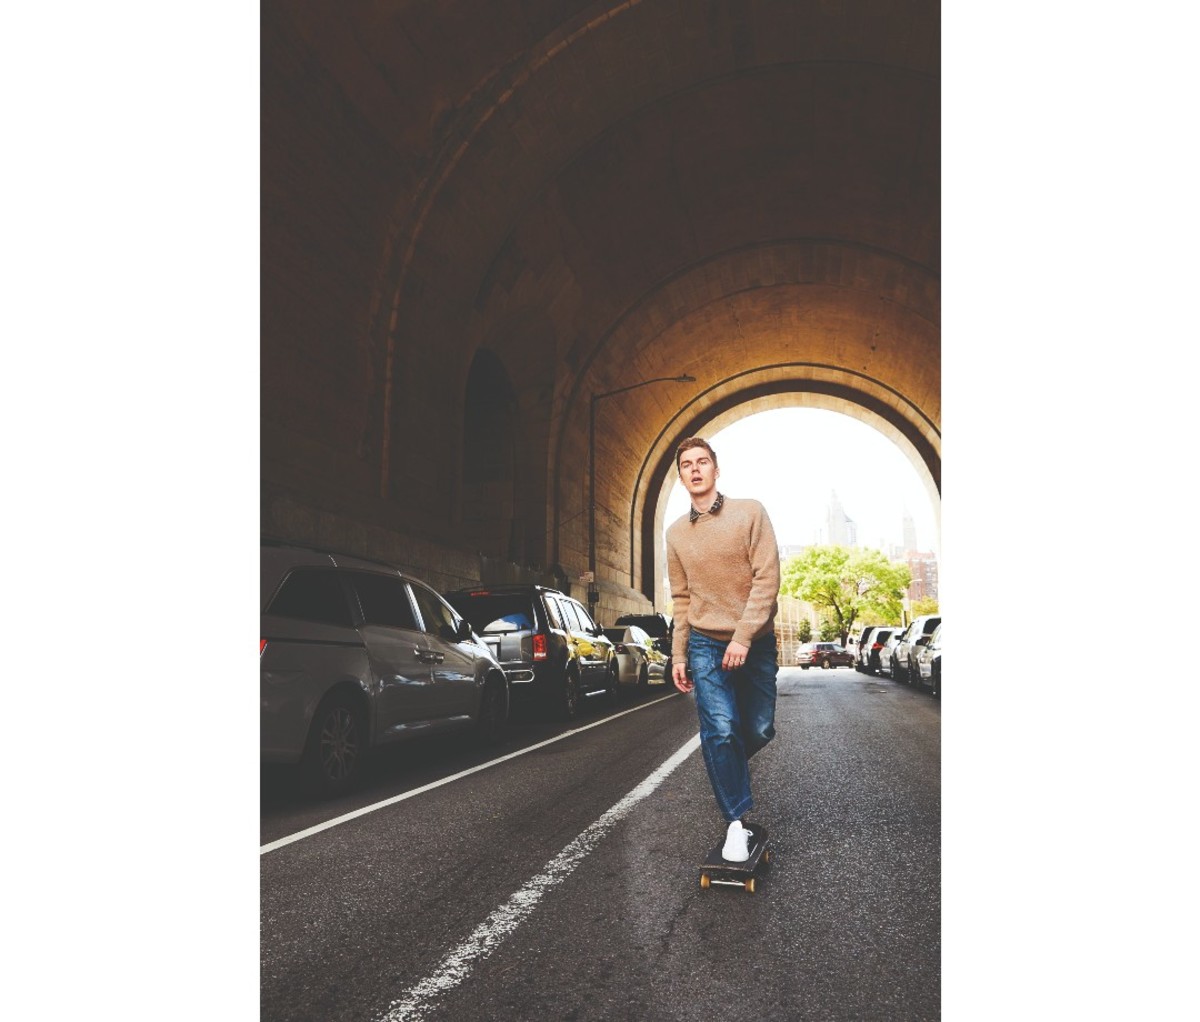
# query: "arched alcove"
489,481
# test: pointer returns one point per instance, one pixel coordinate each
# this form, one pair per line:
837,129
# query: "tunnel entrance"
800,452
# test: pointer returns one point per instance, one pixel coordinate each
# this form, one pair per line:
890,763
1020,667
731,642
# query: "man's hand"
735,656
679,676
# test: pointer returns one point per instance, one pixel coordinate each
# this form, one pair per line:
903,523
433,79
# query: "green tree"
928,605
849,583
804,631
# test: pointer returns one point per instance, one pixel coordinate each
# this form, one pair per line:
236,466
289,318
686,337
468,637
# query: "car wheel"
935,682
644,677
614,683
569,703
805,667
492,723
333,755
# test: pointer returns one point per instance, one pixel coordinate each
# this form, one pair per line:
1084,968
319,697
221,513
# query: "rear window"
495,613
654,625
312,594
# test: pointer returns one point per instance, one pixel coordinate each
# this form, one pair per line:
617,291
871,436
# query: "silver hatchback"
354,654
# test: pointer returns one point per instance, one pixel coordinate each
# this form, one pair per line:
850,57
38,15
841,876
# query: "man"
723,565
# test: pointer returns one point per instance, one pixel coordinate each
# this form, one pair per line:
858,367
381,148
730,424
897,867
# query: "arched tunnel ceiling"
595,194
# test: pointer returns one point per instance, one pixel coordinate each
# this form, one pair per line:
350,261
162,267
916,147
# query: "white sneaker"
737,843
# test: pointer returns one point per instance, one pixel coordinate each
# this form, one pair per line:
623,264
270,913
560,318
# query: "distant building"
840,527
924,569
909,531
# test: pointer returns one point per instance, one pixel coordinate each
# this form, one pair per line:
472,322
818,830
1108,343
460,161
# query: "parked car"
657,626
904,661
660,628
552,651
873,646
929,663
354,654
827,654
860,648
639,660
888,652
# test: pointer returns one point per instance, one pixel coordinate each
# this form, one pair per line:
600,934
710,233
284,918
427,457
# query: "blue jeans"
737,715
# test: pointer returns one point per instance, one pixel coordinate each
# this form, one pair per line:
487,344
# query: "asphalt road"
562,883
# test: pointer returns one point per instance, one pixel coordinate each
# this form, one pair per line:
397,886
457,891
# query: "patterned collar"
693,514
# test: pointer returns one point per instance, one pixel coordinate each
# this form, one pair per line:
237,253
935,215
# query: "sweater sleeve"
680,598
764,582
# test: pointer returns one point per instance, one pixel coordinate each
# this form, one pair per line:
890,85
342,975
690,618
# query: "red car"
827,654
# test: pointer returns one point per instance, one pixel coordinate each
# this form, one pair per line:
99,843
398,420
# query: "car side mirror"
464,631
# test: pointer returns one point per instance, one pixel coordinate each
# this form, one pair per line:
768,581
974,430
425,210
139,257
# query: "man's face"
697,471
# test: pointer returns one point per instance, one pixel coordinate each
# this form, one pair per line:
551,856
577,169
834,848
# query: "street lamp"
593,595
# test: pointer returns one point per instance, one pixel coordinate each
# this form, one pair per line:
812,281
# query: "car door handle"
427,656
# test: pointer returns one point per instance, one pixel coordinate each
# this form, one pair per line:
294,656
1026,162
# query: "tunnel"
478,218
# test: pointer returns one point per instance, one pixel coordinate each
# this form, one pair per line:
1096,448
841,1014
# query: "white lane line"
347,817
415,1003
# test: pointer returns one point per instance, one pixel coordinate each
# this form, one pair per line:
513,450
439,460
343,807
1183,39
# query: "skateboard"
718,870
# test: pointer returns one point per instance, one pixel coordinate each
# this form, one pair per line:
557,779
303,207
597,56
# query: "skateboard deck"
718,870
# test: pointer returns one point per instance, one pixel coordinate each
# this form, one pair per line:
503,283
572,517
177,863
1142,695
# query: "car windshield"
494,613
616,634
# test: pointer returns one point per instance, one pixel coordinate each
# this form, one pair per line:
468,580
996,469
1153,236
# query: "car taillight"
876,645
262,644
620,648
540,648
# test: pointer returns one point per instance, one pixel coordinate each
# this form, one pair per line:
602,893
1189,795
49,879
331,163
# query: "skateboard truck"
716,869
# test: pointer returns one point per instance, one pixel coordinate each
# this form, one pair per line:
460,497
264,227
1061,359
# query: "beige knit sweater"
724,573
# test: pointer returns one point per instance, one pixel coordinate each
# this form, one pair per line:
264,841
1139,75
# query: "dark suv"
547,643
354,654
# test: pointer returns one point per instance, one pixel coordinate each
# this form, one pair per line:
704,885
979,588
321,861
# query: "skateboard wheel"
705,881
750,886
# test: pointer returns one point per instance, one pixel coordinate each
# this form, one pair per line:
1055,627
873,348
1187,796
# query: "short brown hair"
688,444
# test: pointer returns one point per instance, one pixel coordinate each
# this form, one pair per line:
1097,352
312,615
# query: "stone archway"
558,205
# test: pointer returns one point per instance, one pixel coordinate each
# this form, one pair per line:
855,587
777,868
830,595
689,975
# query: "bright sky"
794,459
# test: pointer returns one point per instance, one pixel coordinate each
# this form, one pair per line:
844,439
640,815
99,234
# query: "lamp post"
593,595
